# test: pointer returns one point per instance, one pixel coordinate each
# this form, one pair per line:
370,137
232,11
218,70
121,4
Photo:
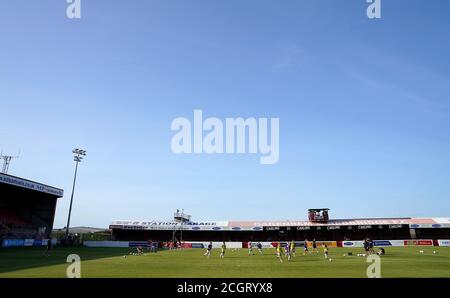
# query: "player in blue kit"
208,250
287,250
259,245
305,247
314,245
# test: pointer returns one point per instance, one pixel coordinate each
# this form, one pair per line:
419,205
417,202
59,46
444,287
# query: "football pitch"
117,262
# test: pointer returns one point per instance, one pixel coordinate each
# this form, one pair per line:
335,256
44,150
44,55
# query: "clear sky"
364,105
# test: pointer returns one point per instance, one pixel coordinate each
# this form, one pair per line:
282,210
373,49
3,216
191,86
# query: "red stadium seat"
7,217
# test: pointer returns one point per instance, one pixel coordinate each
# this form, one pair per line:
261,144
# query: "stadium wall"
106,243
218,244
376,243
267,234
445,242
26,242
421,242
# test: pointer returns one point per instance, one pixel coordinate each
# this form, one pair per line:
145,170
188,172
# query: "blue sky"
364,105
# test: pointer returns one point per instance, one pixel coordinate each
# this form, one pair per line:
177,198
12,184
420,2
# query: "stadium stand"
27,208
329,230
8,217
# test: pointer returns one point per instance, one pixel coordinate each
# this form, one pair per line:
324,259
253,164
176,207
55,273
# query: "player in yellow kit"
325,251
224,247
293,248
279,251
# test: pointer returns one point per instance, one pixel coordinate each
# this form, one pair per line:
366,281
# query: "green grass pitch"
111,262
